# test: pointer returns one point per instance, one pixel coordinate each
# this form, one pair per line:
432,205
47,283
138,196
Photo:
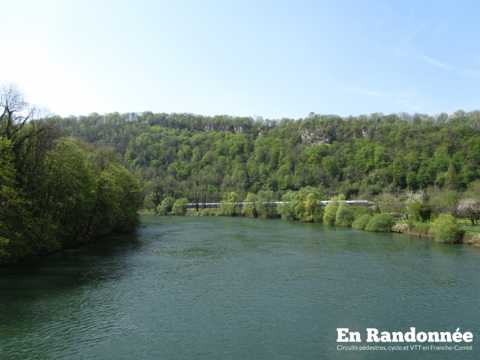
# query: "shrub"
180,207
361,222
166,205
442,200
312,208
264,206
420,228
418,211
380,223
330,213
446,229
389,203
228,206
287,209
469,208
249,209
344,216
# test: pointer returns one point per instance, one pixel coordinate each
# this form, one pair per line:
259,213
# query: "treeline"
399,161
431,214
202,158
56,191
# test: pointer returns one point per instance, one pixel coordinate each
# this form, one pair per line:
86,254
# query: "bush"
469,208
312,208
419,228
442,200
180,207
165,208
446,229
380,223
418,211
391,204
344,216
228,206
287,209
265,208
361,222
249,209
330,213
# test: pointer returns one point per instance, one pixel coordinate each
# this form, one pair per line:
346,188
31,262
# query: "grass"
467,226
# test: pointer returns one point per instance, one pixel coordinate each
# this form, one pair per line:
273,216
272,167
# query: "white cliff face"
310,137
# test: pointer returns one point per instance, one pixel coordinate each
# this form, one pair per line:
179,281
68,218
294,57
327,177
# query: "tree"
287,208
312,208
442,200
380,223
165,208
446,229
344,216
469,208
56,192
229,204
180,207
249,208
330,213
361,221
264,205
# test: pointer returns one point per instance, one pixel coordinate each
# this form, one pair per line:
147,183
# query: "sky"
272,59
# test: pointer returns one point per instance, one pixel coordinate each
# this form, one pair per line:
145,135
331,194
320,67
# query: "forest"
416,168
70,180
56,191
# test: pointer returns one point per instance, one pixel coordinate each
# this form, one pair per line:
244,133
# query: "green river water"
232,288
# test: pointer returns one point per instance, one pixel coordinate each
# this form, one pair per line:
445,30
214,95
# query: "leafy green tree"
361,222
330,213
442,200
165,208
446,229
249,208
264,205
344,216
380,223
229,204
287,208
180,207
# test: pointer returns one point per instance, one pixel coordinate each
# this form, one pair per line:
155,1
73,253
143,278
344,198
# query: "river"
233,288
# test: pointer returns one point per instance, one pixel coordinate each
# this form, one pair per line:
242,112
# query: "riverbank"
444,229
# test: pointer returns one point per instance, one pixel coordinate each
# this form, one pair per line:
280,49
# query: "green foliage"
380,223
361,222
418,211
390,204
446,229
202,158
249,208
57,192
312,210
229,206
287,209
345,215
419,228
180,207
442,200
165,208
264,206
330,213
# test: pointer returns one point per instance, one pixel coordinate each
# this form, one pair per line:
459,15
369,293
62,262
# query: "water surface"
229,288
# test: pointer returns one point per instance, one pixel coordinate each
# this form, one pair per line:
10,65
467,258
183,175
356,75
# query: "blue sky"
255,58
